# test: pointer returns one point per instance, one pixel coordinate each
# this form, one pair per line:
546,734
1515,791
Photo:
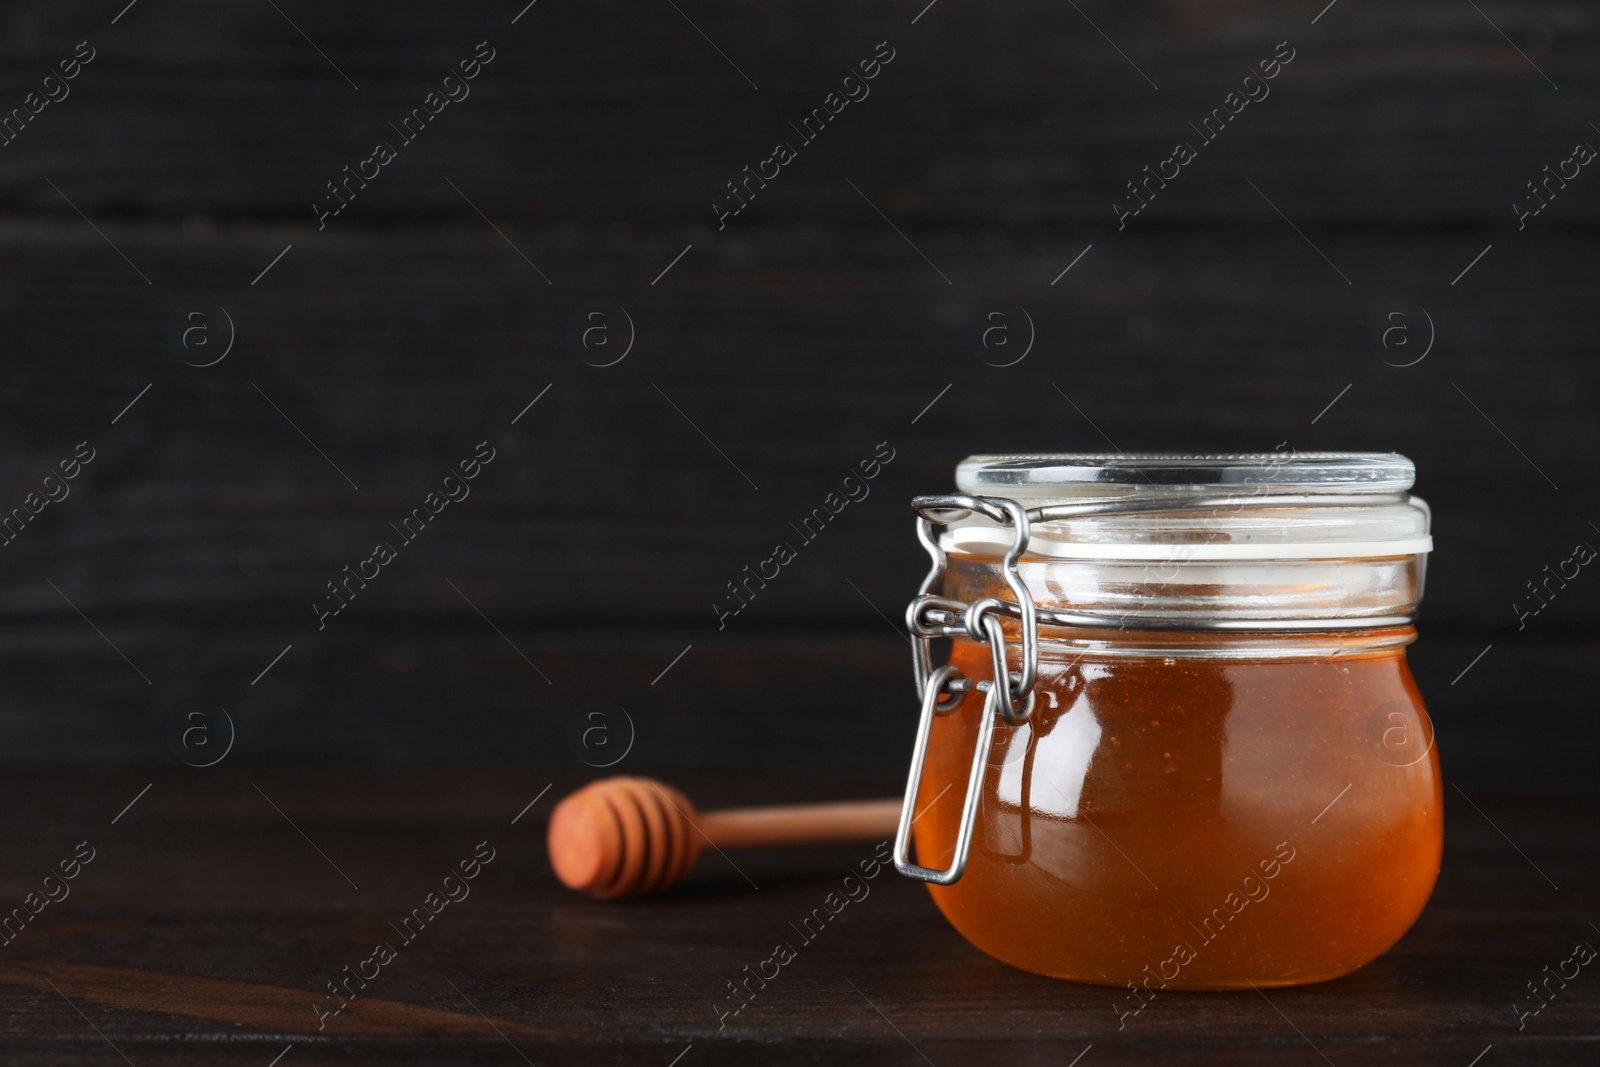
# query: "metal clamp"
931,693
930,616
1008,694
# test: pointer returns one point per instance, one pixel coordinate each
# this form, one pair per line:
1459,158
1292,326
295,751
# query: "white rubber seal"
995,541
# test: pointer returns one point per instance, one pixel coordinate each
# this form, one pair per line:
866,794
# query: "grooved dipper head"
623,837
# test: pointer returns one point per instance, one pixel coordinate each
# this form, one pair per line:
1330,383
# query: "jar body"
1193,811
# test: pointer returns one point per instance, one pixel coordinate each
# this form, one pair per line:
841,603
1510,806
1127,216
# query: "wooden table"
219,905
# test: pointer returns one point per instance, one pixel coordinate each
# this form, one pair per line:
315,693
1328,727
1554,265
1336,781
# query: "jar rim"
1073,475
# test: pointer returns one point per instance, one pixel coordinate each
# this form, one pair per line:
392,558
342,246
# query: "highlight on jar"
1168,733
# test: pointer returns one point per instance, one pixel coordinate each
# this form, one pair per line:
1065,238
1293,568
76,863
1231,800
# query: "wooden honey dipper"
629,837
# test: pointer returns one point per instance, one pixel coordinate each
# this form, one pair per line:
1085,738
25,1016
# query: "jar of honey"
1175,743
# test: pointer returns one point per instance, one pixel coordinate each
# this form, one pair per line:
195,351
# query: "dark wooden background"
769,359
796,339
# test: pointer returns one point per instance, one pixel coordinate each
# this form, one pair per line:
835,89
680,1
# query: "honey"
1195,820
1175,743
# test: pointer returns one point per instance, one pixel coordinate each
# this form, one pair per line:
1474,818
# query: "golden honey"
1192,821
1210,766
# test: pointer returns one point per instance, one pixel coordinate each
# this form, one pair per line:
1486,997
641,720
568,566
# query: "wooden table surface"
219,905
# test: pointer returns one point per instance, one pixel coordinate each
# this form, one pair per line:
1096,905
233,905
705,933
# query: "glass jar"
1206,765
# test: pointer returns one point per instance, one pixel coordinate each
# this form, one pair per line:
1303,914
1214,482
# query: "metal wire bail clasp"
969,806
930,615
1007,695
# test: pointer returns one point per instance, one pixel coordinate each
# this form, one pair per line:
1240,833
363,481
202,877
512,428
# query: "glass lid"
1073,475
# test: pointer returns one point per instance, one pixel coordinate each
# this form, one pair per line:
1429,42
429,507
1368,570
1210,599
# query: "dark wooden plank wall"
797,338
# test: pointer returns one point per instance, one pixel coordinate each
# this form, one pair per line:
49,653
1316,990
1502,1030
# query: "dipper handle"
801,824
630,837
